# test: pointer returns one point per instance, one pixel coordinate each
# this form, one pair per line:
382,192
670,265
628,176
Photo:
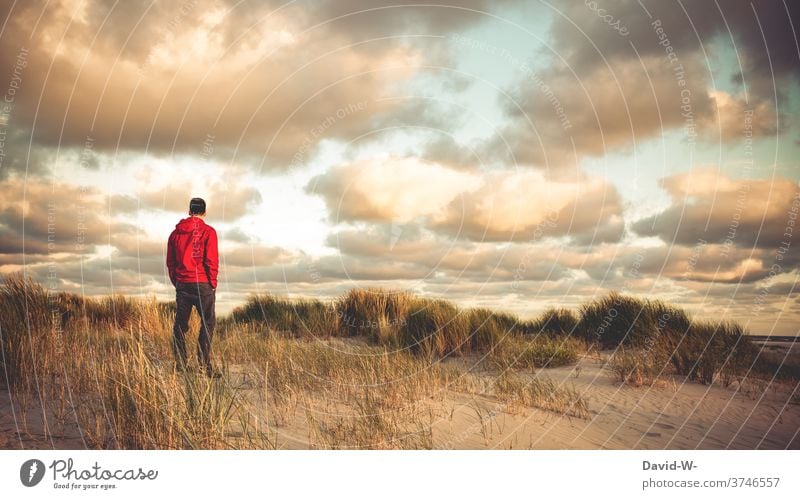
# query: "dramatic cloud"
710,206
256,256
702,263
225,202
51,218
266,80
763,34
633,74
604,109
436,257
498,206
385,189
512,206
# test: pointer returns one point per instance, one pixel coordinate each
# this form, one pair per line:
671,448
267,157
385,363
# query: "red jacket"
192,252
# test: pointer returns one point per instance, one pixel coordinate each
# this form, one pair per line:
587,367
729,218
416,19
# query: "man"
193,262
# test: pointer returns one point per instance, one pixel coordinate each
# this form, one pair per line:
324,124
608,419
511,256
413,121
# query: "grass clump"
522,352
705,352
616,320
107,364
73,358
299,317
147,408
27,324
779,365
636,367
488,329
518,392
437,329
554,321
710,350
376,313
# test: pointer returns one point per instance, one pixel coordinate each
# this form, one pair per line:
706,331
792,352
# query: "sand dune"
676,416
671,415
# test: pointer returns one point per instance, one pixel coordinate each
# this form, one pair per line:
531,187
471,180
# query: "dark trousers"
201,296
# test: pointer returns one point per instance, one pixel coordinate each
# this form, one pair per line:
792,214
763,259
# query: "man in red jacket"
193,262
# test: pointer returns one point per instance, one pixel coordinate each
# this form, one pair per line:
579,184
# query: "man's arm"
171,259
211,259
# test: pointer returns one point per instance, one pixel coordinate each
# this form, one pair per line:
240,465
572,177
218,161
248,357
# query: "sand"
672,415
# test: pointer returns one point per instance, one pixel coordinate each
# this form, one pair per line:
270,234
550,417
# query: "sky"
510,154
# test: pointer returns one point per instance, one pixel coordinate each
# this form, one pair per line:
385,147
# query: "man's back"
192,254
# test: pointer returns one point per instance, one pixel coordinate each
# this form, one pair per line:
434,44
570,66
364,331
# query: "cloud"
443,257
251,79
494,206
256,256
445,150
762,33
391,188
156,87
48,218
703,262
380,17
738,120
513,205
604,109
600,91
223,201
18,156
712,206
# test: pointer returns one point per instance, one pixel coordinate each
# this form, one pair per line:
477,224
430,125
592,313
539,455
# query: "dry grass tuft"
543,393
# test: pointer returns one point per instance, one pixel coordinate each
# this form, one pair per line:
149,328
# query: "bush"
488,328
711,349
637,367
617,320
377,313
544,393
116,310
437,328
516,351
299,317
554,321
704,352
432,327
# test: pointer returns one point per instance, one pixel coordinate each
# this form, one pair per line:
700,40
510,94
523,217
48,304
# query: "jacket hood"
190,224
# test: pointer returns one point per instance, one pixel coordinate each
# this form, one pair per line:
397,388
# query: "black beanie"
197,206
